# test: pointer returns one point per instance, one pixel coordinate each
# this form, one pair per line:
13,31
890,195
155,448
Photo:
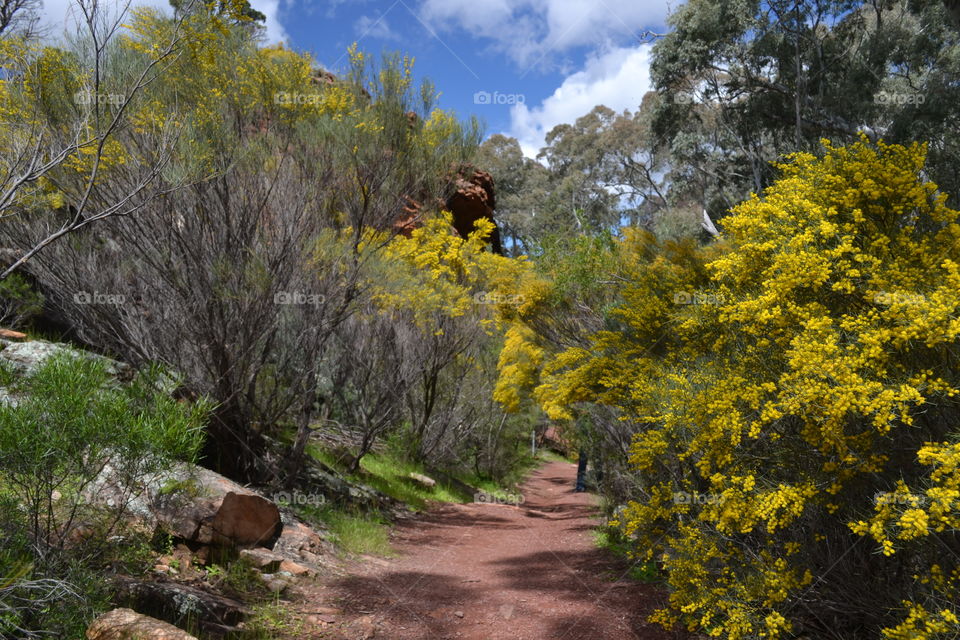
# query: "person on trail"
581,472
583,433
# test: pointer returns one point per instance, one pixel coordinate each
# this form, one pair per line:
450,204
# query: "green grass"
391,475
367,533
546,455
357,533
607,539
270,620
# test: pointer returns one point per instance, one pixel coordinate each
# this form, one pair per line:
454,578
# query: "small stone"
422,479
263,559
293,568
276,585
459,614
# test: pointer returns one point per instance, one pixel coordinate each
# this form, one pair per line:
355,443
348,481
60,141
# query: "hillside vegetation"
231,277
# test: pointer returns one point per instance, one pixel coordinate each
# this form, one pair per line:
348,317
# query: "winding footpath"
496,572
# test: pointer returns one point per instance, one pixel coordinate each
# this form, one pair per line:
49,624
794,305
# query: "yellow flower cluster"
435,271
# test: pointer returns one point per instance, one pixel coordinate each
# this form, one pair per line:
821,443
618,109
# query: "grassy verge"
272,620
357,533
546,455
611,541
391,476
368,533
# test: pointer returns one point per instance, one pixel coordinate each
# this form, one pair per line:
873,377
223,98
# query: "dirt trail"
492,572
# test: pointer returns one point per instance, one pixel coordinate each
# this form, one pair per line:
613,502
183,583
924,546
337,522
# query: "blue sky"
522,66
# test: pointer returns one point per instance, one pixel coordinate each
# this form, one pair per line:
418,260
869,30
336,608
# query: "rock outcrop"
212,615
126,624
24,358
193,504
473,200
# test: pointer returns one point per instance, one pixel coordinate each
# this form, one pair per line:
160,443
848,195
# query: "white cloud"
618,79
367,27
532,31
61,16
273,10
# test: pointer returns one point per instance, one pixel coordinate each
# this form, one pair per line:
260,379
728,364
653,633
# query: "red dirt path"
497,572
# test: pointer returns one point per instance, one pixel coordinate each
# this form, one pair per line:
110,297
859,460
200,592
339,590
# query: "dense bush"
793,405
446,298
255,267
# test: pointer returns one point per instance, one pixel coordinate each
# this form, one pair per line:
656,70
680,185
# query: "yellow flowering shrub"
436,271
792,394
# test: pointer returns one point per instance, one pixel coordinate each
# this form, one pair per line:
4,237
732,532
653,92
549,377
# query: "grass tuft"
612,541
357,533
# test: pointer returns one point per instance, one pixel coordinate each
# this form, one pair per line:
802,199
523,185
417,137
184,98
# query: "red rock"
195,505
10,334
245,520
473,198
297,538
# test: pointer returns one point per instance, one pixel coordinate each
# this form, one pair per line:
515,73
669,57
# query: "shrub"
19,303
69,423
793,404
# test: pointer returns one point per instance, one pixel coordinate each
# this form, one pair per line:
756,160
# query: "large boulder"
193,504
126,624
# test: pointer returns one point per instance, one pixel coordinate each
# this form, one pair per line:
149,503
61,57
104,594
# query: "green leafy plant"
73,425
19,303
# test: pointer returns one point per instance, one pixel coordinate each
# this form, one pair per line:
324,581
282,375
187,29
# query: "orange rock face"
474,198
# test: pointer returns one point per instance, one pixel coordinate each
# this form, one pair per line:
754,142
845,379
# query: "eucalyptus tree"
742,83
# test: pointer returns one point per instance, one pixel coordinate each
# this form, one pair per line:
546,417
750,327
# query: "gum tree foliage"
591,176
743,82
605,165
604,171
738,84
791,392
